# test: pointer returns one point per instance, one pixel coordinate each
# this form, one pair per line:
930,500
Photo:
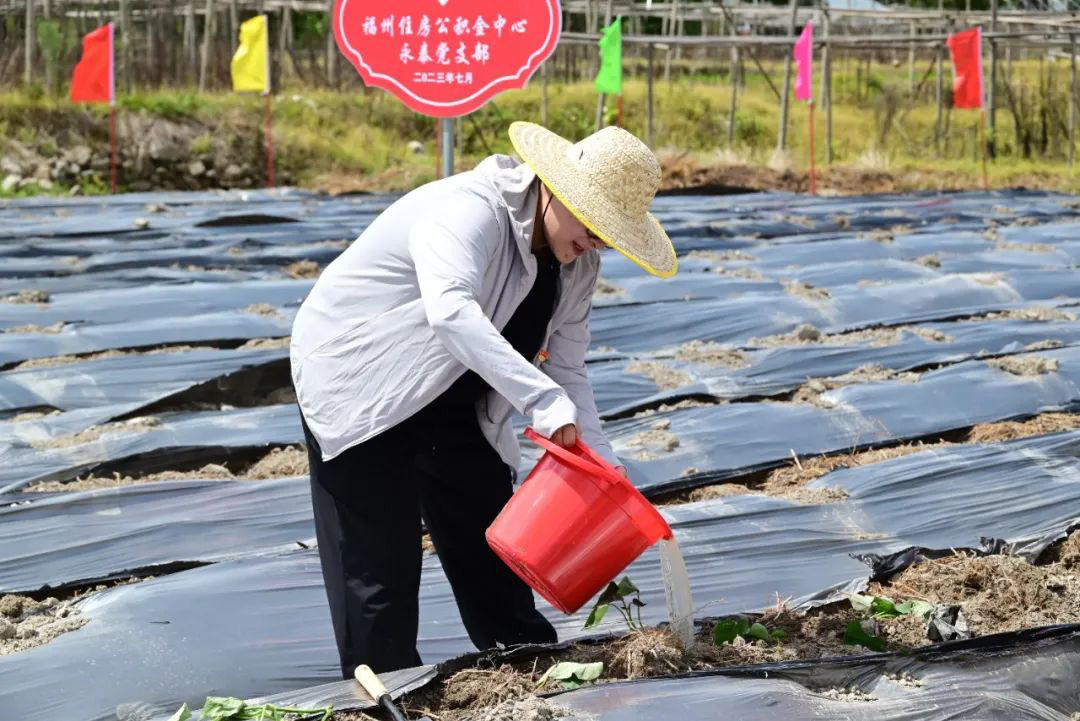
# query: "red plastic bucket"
574,525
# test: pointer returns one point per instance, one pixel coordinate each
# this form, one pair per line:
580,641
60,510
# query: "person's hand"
566,436
623,471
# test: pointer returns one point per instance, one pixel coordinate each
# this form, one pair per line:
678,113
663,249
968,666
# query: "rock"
9,166
807,332
45,184
211,173
196,168
141,223
80,155
233,171
75,190
11,606
10,183
7,629
156,208
41,172
415,147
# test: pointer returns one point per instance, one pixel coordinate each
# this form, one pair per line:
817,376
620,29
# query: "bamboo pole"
1072,100
331,48
600,96
649,99
30,41
208,34
543,93
940,96
911,63
126,36
734,95
781,142
826,71
991,92
50,59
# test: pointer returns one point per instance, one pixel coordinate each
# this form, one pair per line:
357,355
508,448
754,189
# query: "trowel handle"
370,682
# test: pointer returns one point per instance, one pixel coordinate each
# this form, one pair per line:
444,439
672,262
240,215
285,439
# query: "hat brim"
641,239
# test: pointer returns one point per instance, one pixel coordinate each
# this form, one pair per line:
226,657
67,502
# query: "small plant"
571,675
879,608
227,708
727,631
618,596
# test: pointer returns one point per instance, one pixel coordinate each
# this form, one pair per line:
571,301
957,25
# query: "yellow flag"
251,62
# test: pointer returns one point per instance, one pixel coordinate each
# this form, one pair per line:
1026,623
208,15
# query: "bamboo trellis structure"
189,42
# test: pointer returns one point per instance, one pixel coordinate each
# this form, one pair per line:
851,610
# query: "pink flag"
804,54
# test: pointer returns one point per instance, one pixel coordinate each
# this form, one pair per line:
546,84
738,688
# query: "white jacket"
423,294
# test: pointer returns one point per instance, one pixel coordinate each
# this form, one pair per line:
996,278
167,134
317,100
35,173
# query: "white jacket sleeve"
566,366
451,253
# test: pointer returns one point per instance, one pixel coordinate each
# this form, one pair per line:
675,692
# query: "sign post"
446,58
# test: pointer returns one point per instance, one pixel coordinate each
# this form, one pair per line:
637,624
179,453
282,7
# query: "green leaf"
221,708
778,635
610,594
882,607
638,602
915,608
725,632
758,631
854,635
182,714
596,615
572,675
860,602
626,587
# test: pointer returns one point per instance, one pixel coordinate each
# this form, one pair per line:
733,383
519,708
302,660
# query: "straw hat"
608,181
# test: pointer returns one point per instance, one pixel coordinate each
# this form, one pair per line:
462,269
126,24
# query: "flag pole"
112,149
982,147
618,111
813,169
269,143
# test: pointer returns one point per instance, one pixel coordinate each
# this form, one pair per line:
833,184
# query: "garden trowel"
377,691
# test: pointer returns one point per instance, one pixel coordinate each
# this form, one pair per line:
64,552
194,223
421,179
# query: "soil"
1026,366
1034,313
807,334
664,376
93,433
929,261
652,443
28,416
1029,247
811,391
606,289
665,407
26,296
57,327
262,309
79,358
302,269
1037,426
266,343
805,290
698,351
721,256
1048,344
26,623
277,463
995,593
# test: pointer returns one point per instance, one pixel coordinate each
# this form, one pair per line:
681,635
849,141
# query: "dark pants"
368,502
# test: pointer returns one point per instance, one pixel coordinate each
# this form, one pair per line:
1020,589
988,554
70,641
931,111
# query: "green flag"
609,79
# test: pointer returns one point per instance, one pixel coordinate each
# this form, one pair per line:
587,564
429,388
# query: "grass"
359,140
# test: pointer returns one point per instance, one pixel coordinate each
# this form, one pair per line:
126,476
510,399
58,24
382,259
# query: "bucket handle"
582,464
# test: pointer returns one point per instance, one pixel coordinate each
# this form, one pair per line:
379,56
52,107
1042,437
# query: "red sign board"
446,58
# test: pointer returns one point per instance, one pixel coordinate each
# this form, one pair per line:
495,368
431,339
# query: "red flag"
93,81
966,50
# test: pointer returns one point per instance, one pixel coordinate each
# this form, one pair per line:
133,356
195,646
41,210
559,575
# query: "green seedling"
880,608
618,596
571,675
227,708
883,608
727,631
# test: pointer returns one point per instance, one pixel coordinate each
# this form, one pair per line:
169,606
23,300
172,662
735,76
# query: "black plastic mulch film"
751,266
